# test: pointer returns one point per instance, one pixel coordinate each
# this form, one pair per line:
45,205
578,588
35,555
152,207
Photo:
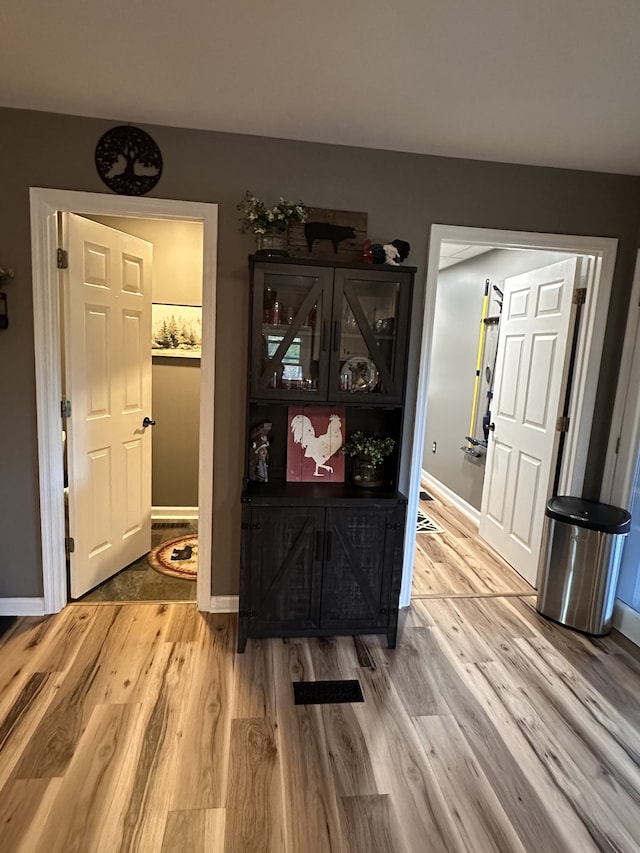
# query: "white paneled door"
107,318
530,381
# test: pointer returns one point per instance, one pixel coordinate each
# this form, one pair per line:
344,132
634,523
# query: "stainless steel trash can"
580,563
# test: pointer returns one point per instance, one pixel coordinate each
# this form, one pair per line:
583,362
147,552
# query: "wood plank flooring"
136,727
457,562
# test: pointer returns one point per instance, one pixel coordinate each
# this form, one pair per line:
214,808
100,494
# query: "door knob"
148,422
492,426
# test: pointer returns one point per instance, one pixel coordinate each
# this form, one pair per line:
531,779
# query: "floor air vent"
327,692
426,525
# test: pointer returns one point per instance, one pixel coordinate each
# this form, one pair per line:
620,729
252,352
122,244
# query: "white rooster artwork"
318,442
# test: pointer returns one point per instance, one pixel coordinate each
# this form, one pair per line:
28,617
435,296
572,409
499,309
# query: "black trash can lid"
590,514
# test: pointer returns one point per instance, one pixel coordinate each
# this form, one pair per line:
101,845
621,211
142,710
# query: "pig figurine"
326,231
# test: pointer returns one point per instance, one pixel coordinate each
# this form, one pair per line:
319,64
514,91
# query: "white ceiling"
524,81
455,253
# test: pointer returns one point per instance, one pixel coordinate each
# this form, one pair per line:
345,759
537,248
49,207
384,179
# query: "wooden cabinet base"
321,571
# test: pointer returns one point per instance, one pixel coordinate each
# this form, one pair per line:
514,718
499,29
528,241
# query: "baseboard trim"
225,604
161,513
22,607
627,621
459,503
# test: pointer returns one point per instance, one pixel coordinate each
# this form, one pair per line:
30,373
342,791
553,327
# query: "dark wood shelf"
357,400
282,493
316,262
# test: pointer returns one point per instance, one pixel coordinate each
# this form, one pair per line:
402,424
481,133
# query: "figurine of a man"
259,453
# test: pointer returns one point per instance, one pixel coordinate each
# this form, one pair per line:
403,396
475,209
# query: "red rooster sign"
315,437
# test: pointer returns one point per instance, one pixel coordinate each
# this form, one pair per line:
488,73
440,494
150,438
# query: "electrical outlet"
433,447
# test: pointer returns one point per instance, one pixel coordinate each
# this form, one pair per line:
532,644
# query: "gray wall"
176,279
404,194
176,402
454,351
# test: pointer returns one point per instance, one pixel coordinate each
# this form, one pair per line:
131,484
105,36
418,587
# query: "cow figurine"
182,553
326,231
393,253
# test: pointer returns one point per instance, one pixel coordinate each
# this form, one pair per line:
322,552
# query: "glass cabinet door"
290,319
368,345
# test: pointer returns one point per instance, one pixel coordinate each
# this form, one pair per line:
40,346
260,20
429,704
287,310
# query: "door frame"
624,435
623,447
45,205
590,345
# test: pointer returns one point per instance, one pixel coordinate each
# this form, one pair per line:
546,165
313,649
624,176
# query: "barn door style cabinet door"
309,571
324,558
323,334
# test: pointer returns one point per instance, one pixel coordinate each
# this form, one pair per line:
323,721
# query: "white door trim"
617,481
590,343
45,205
623,449
627,621
177,513
22,606
445,492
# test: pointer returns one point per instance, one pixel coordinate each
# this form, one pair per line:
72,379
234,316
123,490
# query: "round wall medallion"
128,160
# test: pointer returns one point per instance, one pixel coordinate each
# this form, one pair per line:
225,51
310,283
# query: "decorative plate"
359,374
128,160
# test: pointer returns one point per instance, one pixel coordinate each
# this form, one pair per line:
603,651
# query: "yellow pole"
476,389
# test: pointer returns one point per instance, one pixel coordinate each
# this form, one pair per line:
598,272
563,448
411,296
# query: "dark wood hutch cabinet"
321,559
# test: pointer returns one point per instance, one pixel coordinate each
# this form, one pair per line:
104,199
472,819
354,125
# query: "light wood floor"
136,727
457,562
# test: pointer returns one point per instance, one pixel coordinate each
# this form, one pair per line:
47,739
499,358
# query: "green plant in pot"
369,452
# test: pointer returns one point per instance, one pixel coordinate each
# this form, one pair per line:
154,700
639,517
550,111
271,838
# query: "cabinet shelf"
282,493
376,335
317,262
282,327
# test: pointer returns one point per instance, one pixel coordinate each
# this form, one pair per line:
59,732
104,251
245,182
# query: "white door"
107,301
530,381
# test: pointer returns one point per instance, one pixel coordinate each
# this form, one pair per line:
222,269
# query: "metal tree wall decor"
128,160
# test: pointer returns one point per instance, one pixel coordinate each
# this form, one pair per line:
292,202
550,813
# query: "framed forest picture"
176,330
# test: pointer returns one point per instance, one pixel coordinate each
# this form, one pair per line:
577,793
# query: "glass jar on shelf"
366,472
291,325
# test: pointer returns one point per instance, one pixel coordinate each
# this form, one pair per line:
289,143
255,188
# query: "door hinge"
65,408
388,611
579,295
392,525
62,259
248,526
247,614
69,544
617,450
563,424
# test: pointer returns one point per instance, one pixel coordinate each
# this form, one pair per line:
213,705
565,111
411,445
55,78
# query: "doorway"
159,381
589,349
45,206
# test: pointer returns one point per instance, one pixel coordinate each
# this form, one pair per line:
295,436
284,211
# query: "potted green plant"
270,224
369,452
